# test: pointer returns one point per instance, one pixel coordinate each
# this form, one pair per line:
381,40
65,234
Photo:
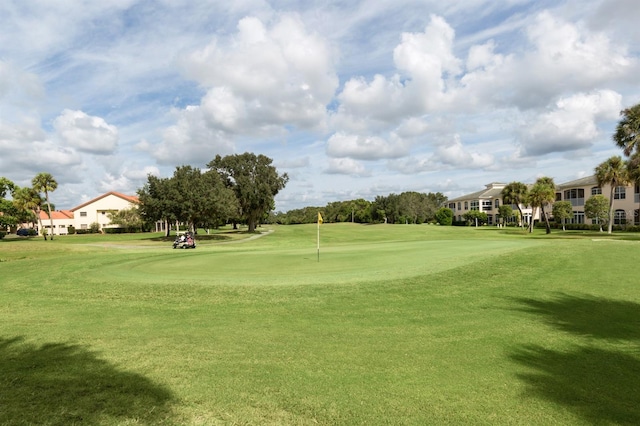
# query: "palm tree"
541,194
28,199
627,135
515,193
44,182
612,172
633,170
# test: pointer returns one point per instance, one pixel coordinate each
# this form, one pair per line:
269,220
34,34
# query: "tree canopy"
596,208
254,181
44,182
515,193
612,171
190,196
627,134
541,194
562,210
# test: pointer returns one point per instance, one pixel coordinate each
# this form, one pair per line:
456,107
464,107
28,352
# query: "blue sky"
352,99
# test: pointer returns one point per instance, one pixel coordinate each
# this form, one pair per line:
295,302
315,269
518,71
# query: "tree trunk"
533,214
610,226
546,219
521,216
41,229
50,217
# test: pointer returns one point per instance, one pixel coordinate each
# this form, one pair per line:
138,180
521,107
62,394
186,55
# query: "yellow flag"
319,218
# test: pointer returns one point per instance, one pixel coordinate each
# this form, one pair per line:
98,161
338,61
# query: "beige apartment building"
488,201
626,201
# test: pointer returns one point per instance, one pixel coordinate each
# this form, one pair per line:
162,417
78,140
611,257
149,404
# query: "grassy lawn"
394,325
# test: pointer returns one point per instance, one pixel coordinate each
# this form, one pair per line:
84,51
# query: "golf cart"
184,240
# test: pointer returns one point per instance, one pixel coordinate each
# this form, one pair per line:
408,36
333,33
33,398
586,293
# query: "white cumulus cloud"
571,125
86,133
346,166
364,147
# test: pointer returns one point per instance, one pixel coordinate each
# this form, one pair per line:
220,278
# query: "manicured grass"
394,325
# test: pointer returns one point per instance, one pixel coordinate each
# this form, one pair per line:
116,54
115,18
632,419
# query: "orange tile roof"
56,214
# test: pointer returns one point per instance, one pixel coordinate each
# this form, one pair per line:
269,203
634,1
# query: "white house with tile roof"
93,211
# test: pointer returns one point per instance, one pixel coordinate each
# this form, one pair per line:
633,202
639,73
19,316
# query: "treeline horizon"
408,207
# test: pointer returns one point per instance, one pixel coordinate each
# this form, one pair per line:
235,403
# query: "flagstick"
318,239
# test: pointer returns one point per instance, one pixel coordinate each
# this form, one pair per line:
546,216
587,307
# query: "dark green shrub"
444,216
71,230
2,234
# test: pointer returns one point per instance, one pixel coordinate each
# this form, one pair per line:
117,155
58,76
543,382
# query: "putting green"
227,265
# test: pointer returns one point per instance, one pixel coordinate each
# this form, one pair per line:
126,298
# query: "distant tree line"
407,207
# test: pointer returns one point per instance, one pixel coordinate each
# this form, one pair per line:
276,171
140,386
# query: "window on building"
452,206
575,196
620,217
578,217
636,193
619,193
62,226
596,190
83,214
486,205
489,219
83,226
466,205
636,217
475,205
459,205
497,204
558,196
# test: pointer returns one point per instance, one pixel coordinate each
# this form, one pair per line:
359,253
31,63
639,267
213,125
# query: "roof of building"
585,181
56,214
129,198
492,190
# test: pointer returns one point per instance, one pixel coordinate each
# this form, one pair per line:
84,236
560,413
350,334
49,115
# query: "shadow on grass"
58,383
588,316
599,382
601,386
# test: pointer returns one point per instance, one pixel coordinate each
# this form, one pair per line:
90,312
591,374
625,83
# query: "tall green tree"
541,194
612,172
254,180
29,200
44,182
633,172
627,137
596,208
156,202
562,210
627,134
6,187
7,208
516,193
